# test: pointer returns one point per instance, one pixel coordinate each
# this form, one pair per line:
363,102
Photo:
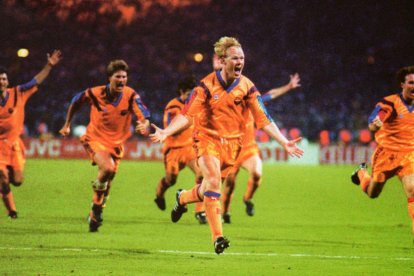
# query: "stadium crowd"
345,68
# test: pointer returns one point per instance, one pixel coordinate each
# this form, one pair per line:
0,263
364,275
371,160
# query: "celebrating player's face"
233,63
408,87
118,80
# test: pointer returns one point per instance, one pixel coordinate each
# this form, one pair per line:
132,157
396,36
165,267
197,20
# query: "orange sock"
199,207
98,197
225,202
364,179
161,187
8,201
411,211
251,188
190,196
213,214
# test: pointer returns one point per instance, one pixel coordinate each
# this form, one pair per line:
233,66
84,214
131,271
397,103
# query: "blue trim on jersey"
77,97
118,100
28,85
3,103
374,114
410,109
224,85
143,108
262,106
212,194
266,98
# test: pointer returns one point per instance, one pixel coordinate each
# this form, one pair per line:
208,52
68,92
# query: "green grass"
309,220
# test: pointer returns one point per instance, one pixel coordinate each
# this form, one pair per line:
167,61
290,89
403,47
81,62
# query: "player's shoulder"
392,98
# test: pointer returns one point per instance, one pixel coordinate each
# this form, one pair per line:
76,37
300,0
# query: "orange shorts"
246,153
92,147
386,164
12,154
175,159
226,150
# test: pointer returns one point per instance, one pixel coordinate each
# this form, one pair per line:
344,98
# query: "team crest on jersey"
216,96
10,110
124,112
237,101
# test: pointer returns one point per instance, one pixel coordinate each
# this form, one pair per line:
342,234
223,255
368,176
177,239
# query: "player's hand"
377,122
143,128
65,130
54,58
158,136
294,81
292,148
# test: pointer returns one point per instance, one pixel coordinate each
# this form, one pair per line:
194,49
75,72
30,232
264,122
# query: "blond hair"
225,42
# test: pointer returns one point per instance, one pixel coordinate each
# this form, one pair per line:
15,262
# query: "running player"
112,107
220,107
178,150
249,157
392,120
12,104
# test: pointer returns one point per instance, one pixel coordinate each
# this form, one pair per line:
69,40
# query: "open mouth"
237,70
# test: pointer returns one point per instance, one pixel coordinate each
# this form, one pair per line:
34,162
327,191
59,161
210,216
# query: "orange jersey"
397,131
183,138
12,110
249,140
110,122
223,111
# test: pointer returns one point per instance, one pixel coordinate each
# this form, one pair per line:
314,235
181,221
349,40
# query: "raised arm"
277,92
52,60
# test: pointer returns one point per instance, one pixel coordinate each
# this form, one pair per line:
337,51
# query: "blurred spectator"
345,137
324,138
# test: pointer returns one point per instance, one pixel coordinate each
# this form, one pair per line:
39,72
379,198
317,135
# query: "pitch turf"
309,220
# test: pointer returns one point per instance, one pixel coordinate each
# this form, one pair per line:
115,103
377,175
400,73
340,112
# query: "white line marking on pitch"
179,252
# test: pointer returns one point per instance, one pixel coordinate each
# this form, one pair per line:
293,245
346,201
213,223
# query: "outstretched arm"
52,60
277,92
289,145
179,123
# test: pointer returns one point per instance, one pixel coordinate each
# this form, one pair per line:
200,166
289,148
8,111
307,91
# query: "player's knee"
214,182
172,180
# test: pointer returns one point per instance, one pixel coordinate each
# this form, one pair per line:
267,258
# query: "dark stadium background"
346,52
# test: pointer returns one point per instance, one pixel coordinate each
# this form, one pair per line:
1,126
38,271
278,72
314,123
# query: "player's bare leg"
106,172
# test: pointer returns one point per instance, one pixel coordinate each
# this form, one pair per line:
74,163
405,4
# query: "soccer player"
111,110
392,120
178,149
249,157
220,107
12,104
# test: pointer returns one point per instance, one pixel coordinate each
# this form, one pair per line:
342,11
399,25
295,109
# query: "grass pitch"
309,220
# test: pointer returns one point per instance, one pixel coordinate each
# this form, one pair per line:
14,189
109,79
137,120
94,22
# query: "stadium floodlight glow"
23,52
198,57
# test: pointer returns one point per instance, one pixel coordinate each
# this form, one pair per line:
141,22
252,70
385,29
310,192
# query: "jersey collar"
230,87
